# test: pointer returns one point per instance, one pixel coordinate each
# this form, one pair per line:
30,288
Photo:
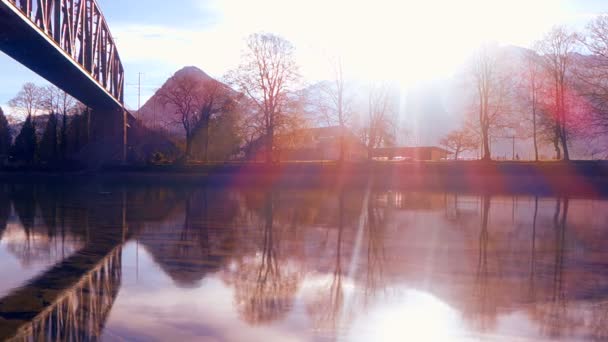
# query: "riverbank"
576,177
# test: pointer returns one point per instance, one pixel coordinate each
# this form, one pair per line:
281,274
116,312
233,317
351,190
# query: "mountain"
157,114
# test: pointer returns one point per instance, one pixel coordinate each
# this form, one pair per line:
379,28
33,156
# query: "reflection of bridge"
70,302
68,42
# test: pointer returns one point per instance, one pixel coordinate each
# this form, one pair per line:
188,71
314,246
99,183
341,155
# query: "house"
313,144
421,153
322,143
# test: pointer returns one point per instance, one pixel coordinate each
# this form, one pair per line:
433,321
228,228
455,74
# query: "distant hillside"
156,114
456,95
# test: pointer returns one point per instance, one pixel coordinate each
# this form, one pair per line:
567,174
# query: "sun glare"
404,41
416,316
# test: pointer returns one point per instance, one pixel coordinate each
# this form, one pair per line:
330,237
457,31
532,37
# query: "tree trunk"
534,134
188,146
558,151
486,145
269,145
206,142
564,140
342,145
563,135
64,137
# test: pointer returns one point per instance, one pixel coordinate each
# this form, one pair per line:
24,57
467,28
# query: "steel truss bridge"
68,42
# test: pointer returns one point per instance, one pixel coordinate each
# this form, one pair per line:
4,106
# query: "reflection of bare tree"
556,321
598,324
266,288
461,210
39,242
192,236
376,225
5,211
484,309
327,309
453,212
24,200
48,202
532,287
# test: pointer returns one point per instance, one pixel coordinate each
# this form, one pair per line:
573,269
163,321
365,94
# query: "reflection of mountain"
196,240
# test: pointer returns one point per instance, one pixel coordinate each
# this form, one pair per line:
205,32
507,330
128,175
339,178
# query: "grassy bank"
578,177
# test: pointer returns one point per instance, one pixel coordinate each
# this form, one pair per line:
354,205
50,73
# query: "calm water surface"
222,264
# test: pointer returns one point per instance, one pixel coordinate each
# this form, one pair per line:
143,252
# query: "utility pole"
513,137
124,135
138,93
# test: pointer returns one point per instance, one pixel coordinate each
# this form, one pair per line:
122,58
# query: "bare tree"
534,79
556,50
214,99
29,100
184,94
267,75
336,106
593,73
57,101
492,90
460,140
378,128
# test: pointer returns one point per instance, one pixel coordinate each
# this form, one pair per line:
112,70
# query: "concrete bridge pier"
107,137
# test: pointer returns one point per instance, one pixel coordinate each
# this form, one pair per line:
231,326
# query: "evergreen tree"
74,134
5,135
48,144
63,148
25,145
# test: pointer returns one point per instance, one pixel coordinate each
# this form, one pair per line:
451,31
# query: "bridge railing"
79,28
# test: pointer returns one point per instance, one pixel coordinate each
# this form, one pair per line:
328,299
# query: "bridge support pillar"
108,137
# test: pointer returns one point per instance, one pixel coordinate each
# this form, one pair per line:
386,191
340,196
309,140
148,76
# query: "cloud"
404,41
171,47
386,38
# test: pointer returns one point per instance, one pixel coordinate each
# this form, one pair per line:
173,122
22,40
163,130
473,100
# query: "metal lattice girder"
79,29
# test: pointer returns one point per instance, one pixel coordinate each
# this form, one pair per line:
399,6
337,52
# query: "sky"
406,41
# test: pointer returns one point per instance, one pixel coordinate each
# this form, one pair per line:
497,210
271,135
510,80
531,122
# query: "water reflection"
300,264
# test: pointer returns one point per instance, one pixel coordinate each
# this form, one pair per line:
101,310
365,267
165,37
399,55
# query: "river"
170,263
